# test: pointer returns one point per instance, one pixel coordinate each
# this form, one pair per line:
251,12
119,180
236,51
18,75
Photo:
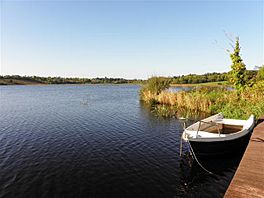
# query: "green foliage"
250,77
260,75
240,104
237,76
212,100
240,109
16,79
156,84
250,101
164,110
153,102
204,78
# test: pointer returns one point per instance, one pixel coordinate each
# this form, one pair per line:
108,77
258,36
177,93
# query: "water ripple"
93,141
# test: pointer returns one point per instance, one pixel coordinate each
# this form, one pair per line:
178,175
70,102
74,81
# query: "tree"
156,85
238,68
260,75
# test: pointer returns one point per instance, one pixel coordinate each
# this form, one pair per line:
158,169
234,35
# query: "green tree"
260,75
156,84
238,68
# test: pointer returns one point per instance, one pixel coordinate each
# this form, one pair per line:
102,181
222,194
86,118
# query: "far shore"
4,82
7,82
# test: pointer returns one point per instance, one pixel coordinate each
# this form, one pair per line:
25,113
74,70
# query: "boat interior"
220,128
217,126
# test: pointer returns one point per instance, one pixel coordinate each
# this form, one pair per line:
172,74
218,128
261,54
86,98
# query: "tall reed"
211,100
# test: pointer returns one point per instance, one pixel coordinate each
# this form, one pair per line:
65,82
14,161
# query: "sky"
128,39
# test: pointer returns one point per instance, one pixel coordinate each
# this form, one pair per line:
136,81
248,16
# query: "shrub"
260,75
237,76
154,86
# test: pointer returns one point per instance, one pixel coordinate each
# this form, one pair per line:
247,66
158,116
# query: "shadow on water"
194,181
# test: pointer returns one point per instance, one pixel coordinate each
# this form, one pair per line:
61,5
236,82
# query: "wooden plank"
248,180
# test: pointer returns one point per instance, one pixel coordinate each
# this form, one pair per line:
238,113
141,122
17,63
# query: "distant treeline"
16,79
208,77
183,79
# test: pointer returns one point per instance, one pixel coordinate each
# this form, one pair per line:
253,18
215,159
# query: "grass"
17,82
209,84
210,100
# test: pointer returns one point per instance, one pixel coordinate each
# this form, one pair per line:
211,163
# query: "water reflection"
194,181
177,89
94,141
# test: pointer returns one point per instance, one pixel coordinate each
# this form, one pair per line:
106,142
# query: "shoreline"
13,81
23,82
71,84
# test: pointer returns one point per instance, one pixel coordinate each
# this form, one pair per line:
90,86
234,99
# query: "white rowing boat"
217,135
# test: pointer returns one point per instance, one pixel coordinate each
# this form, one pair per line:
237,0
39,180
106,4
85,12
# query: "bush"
155,85
260,75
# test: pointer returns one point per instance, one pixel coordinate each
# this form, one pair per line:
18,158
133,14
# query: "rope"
194,156
181,147
184,126
191,149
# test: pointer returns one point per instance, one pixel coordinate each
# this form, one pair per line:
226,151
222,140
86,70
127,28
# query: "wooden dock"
248,180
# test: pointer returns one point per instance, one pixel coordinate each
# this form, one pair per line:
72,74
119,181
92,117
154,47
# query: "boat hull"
220,148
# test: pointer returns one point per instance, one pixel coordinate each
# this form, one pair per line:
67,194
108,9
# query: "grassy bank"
18,82
207,84
209,100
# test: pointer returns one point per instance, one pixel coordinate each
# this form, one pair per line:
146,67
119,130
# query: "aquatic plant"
211,100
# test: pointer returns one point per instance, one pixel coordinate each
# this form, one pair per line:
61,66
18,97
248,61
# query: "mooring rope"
193,154
181,147
190,146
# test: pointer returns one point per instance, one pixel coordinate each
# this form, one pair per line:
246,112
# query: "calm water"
95,141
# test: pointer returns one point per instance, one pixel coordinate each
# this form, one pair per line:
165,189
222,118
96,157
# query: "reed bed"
209,100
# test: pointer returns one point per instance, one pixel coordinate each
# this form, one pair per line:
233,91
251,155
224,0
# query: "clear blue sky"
130,39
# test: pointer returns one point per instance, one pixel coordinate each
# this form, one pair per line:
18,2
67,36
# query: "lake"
96,141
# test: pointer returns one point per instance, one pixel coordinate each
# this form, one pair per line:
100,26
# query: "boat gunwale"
227,137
